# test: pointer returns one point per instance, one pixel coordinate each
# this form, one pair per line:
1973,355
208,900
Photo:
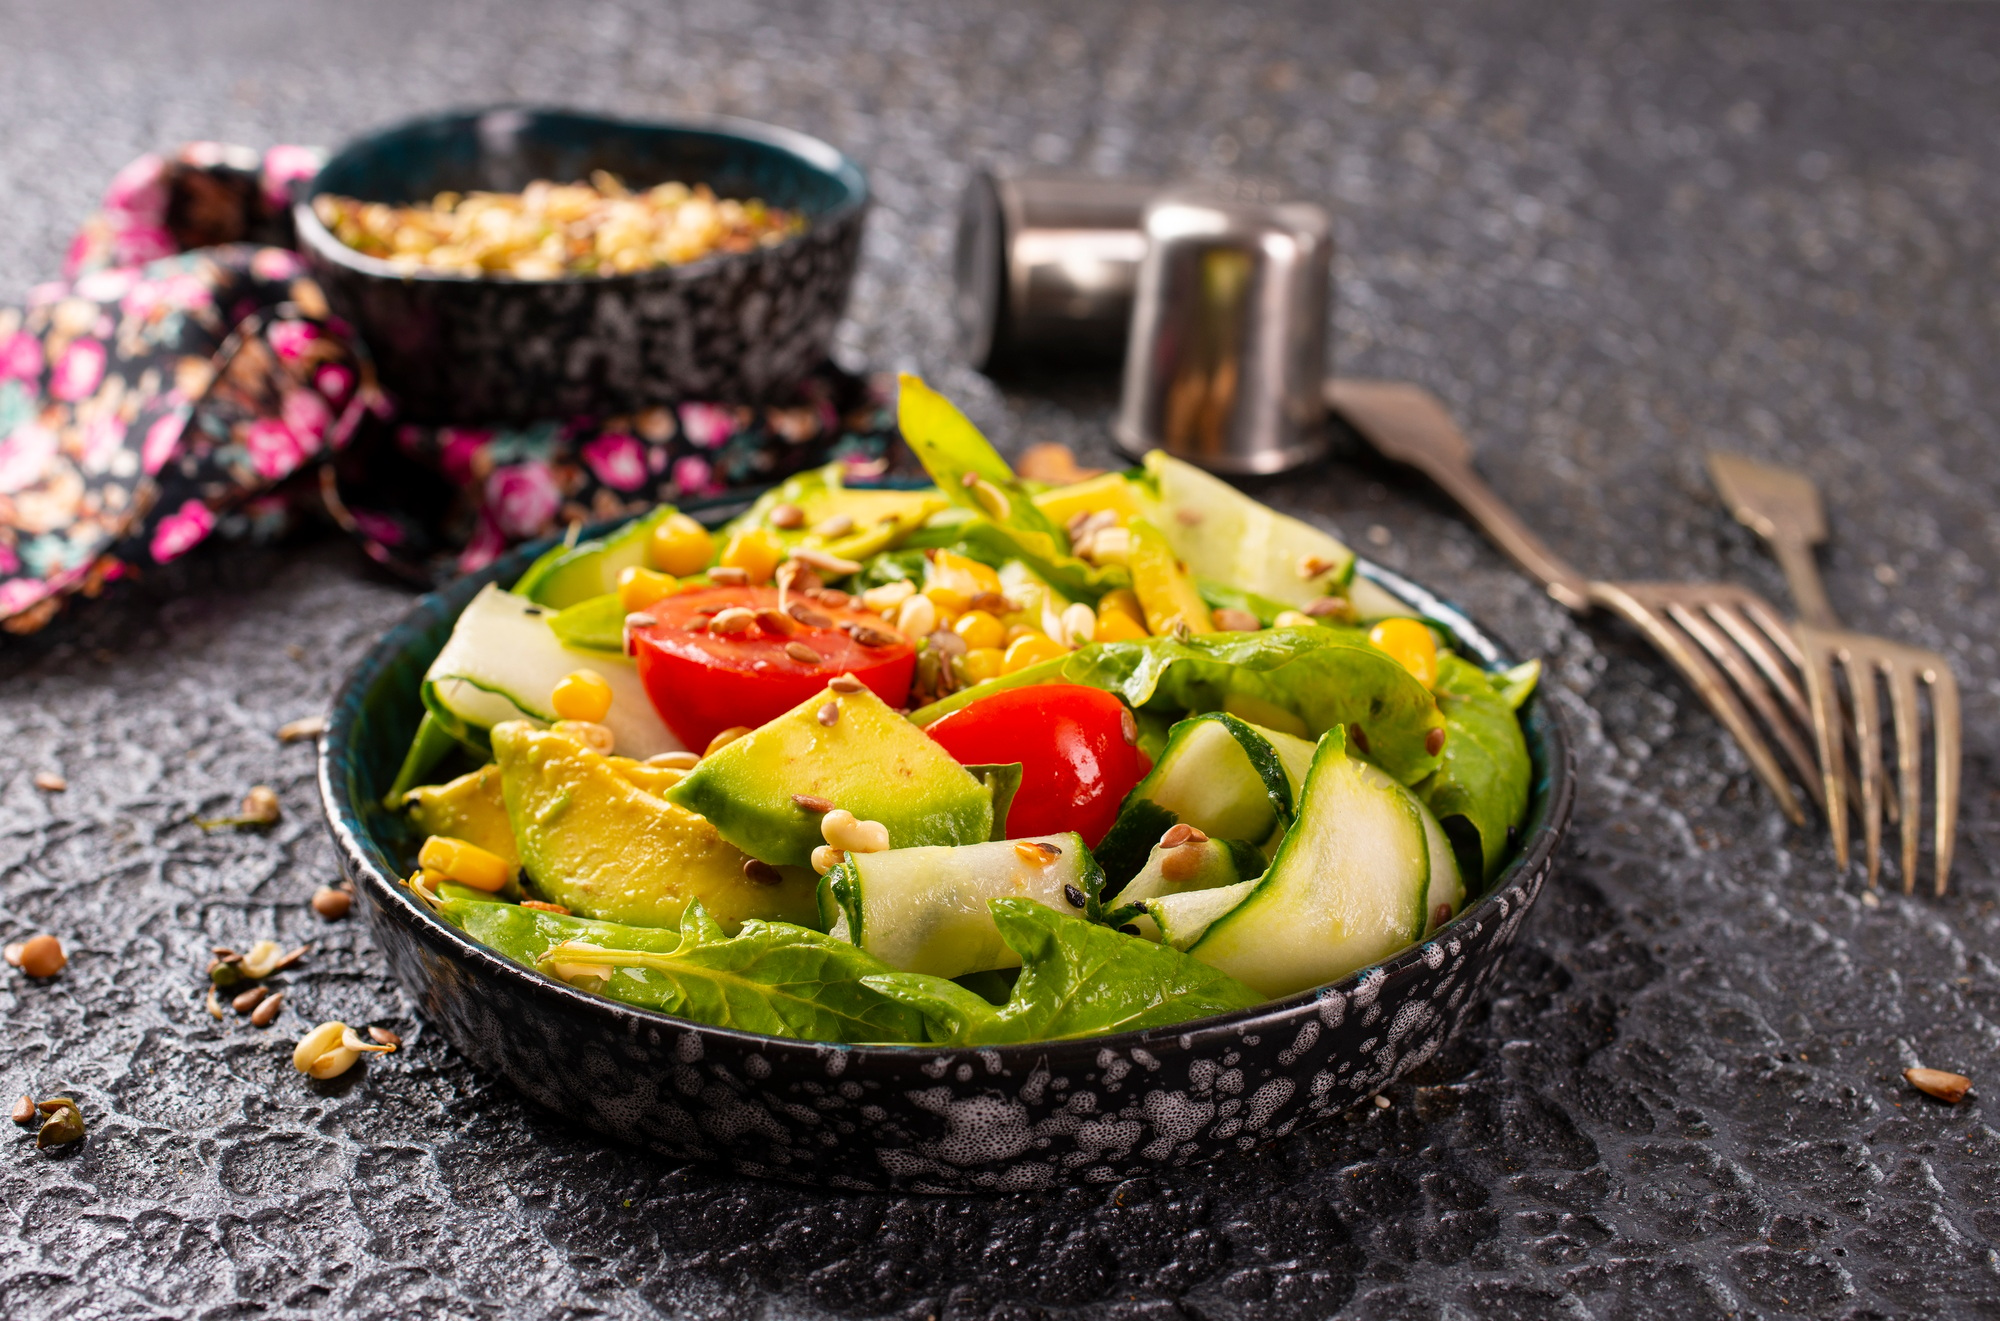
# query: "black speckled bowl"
736,327
912,1117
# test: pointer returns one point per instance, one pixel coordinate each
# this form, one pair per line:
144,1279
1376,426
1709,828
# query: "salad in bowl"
977,763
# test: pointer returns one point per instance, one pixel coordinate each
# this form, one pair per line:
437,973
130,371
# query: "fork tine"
1775,627
1832,744
1944,717
1677,647
1736,618
1772,661
1868,731
1702,628
1909,762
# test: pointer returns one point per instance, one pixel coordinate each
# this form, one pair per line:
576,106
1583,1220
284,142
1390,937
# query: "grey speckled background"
1609,234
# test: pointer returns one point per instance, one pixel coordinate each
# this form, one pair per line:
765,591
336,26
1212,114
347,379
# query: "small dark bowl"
734,327
914,1117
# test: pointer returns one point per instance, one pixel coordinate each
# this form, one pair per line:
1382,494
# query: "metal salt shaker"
1227,351
1045,264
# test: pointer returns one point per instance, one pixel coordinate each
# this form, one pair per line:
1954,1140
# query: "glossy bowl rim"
392,900
813,152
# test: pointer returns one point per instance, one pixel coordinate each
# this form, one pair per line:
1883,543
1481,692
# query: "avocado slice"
470,808
567,575
593,841
869,760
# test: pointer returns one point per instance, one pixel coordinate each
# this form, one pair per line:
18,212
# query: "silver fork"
1728,642
1783,507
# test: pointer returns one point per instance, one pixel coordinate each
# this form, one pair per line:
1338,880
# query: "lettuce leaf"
771,977
1078,979
1484,775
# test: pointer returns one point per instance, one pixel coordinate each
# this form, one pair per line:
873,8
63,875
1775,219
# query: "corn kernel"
966,576
1117,626
980,630
948,600
982,663
467,864
581,695
1124,601
1412,646
680,546
1032,650
756,552
1293,619
640,587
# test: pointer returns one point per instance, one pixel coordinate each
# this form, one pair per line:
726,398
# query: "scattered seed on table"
384,1036
331,902
250,999
267,1011
1948,1087
1382,1103
38,956
63,1125
50,782
297,731
24,1110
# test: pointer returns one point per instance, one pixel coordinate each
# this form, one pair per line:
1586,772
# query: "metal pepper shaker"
1227,351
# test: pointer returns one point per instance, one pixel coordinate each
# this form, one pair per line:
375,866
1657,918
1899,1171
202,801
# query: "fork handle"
1403,423
1795,557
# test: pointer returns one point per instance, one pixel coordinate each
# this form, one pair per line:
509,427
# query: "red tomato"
703,682
1076,749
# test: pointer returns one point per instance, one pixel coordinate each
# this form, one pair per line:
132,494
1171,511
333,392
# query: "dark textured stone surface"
1609,235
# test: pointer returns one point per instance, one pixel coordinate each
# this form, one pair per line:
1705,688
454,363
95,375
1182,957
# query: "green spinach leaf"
1484,774
1324,676
771,977
1078,979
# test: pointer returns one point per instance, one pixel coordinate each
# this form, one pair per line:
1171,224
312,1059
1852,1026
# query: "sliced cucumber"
503,661
924,909
1221,775
1347,888
1446,894
1183,919
1372,603
1181,890
566,575
1225,535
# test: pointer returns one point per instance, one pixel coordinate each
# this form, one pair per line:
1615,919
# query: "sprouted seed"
63,1123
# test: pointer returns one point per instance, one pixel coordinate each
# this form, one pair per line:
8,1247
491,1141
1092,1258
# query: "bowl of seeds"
515,263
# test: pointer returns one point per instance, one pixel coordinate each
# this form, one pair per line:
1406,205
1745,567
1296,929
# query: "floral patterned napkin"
186,381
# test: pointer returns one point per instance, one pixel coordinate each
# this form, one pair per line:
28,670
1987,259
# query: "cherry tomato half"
1075,745
702,682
